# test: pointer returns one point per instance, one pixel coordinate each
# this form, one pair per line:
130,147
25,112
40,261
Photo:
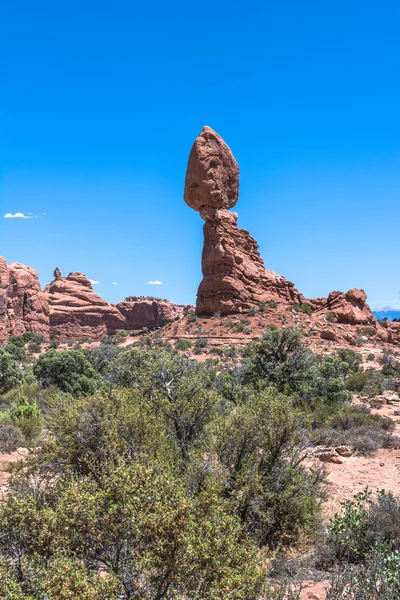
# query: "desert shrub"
349,417
167,545
272,304
216,350
191,317
16,340
183,344
365,525
230,352
355,427
11,438
31,336
282,361
85,433
294,307
390,365
371,356
101,356
259,446
70,370
357,382
26,417
252,311
366,331
351,361
362,439
306,308
330,317
348,531
54,344
34,347
201,343
16,351
374,385
181,390
378,578
10,373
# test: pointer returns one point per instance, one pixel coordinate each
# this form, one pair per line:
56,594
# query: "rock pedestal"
234,274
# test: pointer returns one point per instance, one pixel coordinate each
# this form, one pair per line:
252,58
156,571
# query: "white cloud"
18,215
93,281
114,283
154,283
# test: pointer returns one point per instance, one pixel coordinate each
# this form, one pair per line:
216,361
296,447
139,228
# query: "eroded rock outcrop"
234,274
349,308
23,305
77,311
142,311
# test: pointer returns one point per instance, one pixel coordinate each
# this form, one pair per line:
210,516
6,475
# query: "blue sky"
101,101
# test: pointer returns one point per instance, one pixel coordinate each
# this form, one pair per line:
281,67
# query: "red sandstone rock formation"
234,275
349,308
141,311
76,311
23,306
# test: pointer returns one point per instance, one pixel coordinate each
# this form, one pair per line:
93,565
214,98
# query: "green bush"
306,308
27,418
191,317
70,370
31,336
183,344
275,495
348,531
365,525
201,342
10,373
378,578
330,317
11,438
162,543
16,351
357,382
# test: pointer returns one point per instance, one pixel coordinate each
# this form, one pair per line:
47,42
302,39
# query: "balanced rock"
23,305
234,274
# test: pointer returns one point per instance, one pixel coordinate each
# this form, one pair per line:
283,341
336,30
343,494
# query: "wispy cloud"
18,215
154,283
114,283
93,281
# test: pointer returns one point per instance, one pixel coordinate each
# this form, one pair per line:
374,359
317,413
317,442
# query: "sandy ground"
5,459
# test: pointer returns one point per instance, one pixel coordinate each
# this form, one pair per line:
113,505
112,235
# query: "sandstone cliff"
23,306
